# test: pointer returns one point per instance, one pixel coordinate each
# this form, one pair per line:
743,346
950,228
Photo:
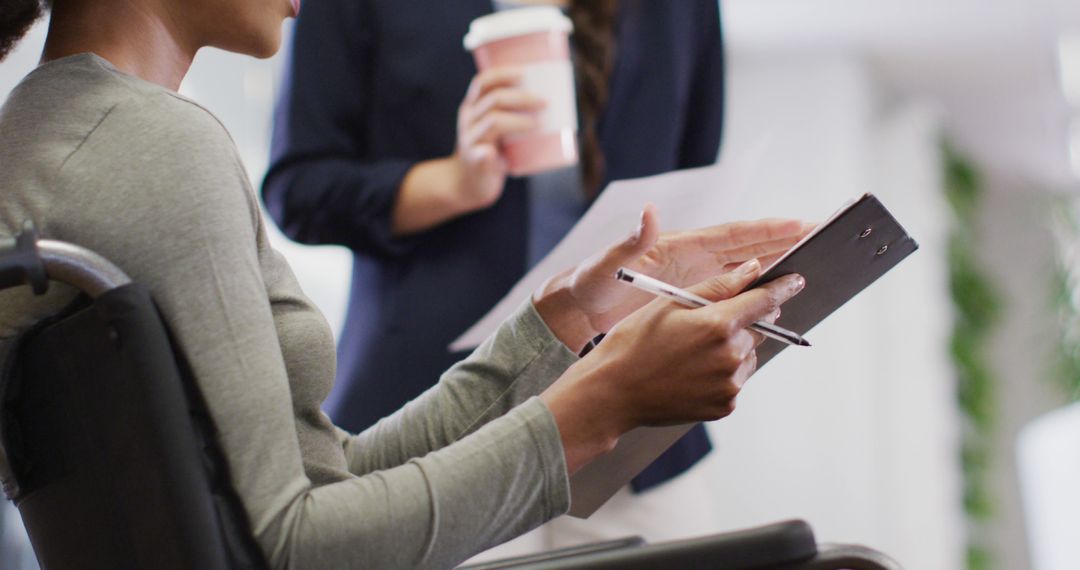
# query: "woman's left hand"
587,300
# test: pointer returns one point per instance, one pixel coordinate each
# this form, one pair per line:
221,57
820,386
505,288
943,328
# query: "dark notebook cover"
848,252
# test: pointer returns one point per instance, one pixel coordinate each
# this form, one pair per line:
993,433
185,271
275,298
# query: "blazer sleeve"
322,186
701,140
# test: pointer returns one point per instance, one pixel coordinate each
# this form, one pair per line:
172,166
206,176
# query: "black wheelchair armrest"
851,557
571,552
776,545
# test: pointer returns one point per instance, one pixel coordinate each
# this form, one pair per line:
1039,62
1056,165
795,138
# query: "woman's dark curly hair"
16,17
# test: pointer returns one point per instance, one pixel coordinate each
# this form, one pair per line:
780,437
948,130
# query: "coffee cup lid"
515,22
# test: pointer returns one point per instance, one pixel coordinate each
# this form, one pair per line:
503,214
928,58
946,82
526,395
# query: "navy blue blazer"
373,87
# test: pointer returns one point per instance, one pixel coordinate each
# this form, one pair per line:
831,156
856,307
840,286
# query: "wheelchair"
113,460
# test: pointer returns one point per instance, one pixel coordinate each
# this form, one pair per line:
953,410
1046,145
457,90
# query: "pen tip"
804,342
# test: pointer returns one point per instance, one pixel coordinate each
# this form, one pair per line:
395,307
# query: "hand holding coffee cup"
526,52
495,107
518,117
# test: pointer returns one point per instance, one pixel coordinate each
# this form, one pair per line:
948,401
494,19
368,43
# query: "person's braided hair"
594,45
16,17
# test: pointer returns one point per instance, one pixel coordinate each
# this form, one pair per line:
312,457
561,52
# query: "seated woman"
98,149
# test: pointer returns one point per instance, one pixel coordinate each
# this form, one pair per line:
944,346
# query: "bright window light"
1069,60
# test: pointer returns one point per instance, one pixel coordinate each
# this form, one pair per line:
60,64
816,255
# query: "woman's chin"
267,50
261,46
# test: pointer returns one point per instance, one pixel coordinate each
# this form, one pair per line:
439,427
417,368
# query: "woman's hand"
666,364
435,191
494,108
587,300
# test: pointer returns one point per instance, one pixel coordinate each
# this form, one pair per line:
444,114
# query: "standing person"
375,149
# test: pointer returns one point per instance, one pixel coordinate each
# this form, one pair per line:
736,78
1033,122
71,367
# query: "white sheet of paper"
684,199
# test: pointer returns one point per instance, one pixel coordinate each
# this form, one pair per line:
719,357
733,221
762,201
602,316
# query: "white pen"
684,297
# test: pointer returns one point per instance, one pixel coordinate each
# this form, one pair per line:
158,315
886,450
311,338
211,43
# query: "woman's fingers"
728,284
704,252
483,157
500,113
758,337
505,99
746,370
739,234
593,283
631,248
734,371
496,125
734,351
483,83
495,107
485,160
763,250
740,311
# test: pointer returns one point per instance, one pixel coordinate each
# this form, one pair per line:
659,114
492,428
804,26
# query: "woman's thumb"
638,242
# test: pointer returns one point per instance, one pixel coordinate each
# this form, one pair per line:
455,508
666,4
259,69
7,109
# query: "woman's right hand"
666,364
438,190
494,107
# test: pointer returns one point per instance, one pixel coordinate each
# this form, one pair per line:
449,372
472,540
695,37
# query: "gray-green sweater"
153,182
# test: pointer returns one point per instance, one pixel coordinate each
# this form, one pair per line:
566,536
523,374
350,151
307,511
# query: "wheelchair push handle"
20,261
27,260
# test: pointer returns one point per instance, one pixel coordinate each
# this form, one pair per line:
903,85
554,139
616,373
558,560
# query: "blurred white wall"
21,60
1018,255
858,434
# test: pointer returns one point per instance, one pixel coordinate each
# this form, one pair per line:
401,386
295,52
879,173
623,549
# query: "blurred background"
932,419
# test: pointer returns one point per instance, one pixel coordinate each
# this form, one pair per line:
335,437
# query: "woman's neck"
128,34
